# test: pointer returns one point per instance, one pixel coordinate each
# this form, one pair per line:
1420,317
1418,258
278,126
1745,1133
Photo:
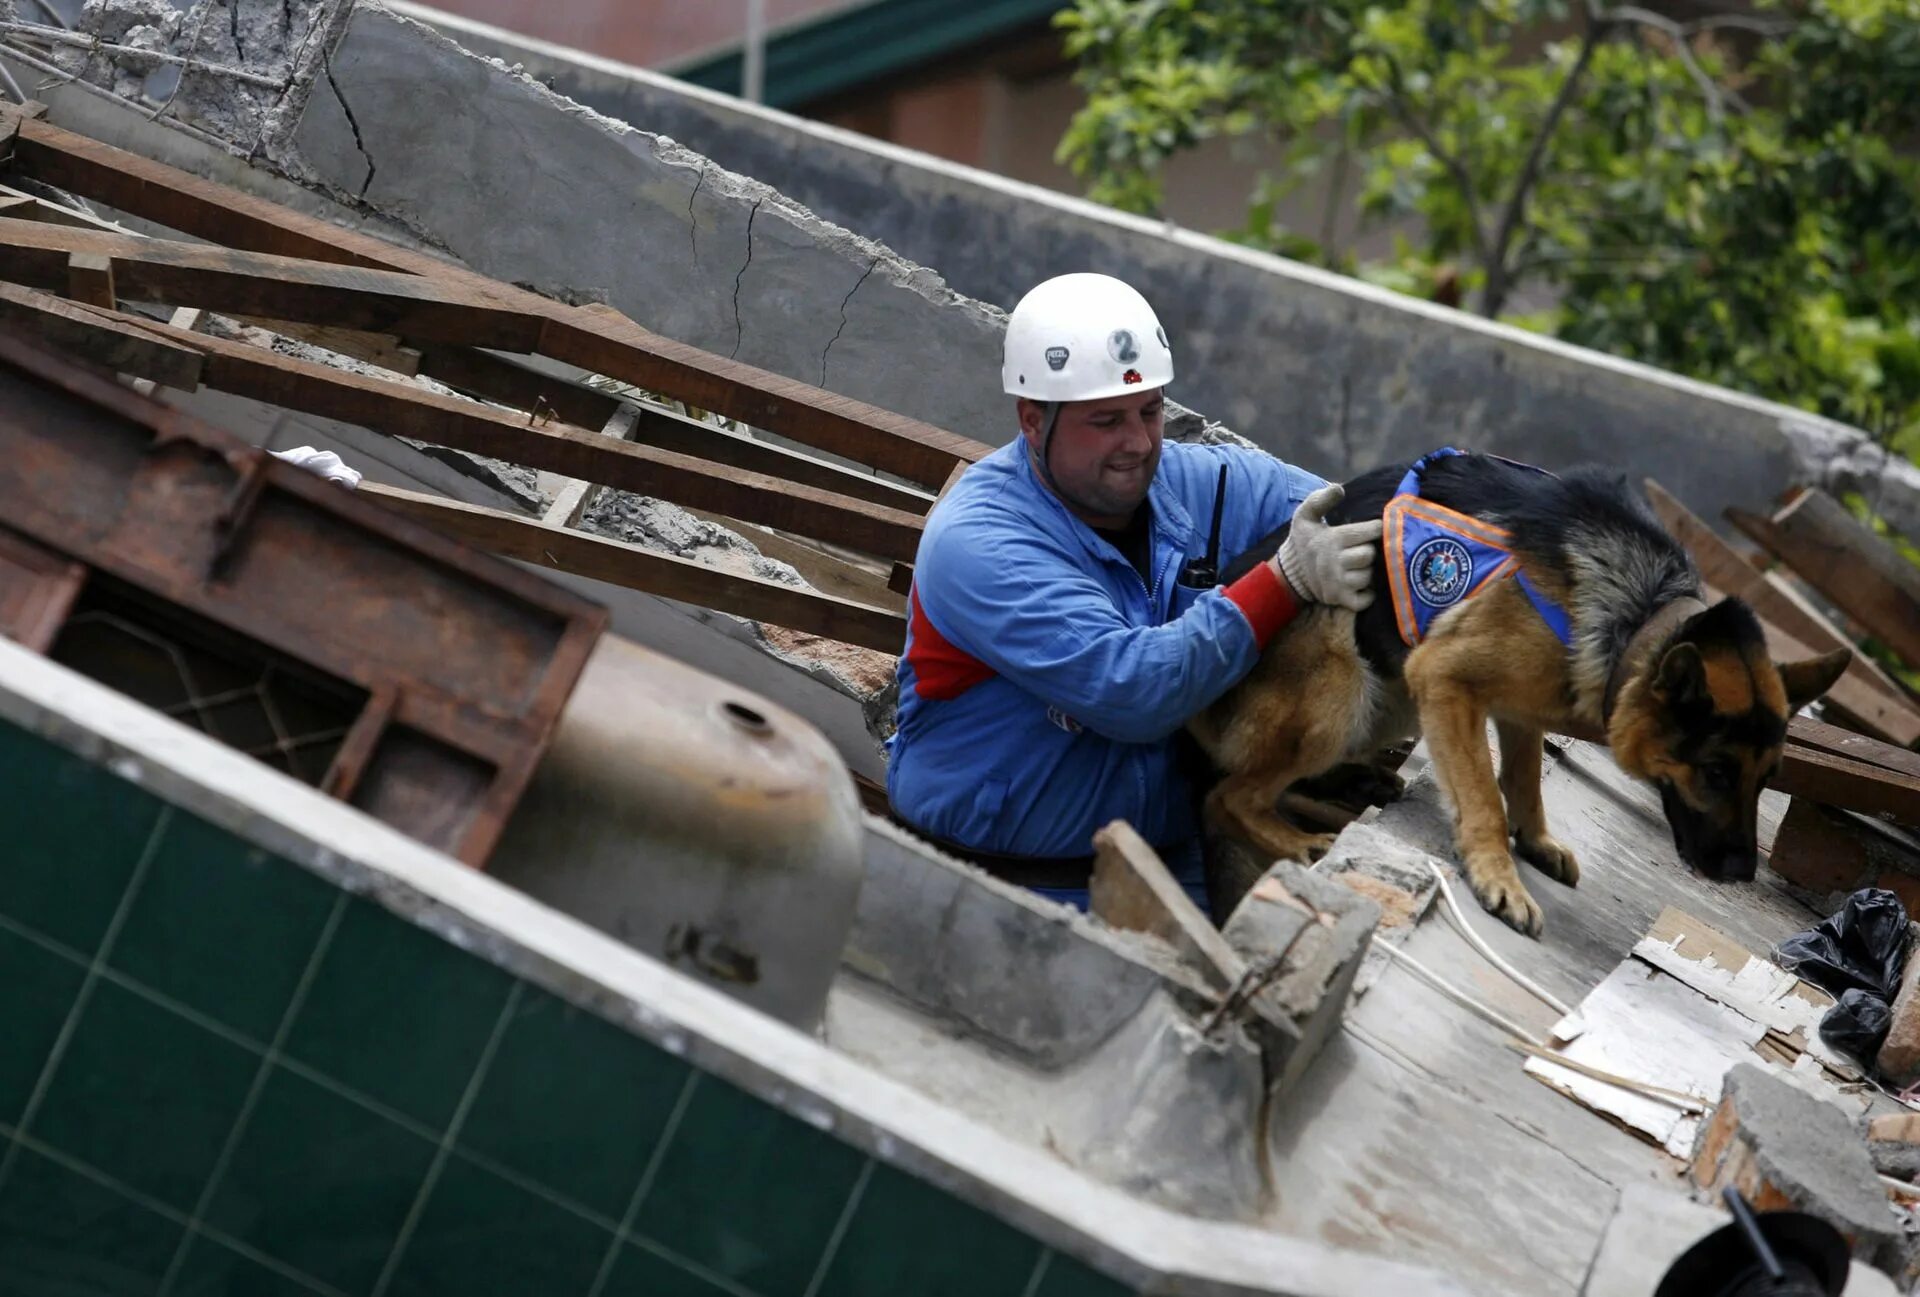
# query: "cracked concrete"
353,123
845,302
739,330
1316,367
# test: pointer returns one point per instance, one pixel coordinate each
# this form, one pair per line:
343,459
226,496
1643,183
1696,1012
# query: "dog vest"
1437,558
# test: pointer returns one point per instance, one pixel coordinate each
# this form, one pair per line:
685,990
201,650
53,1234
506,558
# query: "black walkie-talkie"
1204,573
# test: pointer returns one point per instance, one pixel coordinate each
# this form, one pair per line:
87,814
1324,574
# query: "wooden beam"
676,432
1864,575
576,495
838,425
509,382
601,342
181,201
1853,785
1786,585
1858,692
90,280
111,340
642,569
1835,741
403,410
252,283
823,571
379,349
29,207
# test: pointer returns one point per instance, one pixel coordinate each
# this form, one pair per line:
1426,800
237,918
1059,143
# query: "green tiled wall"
221,1076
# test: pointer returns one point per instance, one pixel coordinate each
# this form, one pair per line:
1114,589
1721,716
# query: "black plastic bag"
1863,946
1856,954
1857,1023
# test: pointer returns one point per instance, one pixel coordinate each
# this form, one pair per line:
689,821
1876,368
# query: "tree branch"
1716,95
1397,104
1494,296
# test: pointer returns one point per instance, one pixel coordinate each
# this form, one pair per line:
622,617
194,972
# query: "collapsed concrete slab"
1313,366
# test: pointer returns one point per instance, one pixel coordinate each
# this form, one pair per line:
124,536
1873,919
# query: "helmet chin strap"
1043,463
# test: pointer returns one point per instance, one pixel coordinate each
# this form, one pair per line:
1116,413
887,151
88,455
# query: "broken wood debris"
407,312
599,341
1680,1013
1866,697
637,568
1864,575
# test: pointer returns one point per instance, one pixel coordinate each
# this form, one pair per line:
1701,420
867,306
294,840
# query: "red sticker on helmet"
1131,376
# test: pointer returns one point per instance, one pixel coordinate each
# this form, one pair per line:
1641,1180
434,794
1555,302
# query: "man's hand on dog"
1331,565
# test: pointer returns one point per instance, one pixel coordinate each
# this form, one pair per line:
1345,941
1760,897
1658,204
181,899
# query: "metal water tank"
699,823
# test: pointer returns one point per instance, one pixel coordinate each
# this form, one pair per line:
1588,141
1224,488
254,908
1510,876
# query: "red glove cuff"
1265,600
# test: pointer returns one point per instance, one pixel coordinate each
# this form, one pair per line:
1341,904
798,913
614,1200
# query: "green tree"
1735,197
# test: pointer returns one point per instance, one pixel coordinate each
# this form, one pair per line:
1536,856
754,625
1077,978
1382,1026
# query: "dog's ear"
1806,680
1682,679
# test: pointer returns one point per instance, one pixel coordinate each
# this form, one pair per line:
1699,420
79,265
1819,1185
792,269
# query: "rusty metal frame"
464,649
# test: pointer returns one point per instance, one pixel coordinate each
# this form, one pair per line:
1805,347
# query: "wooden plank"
509,382
825,572
1826,851
29,207
600,342
1786,585
574,497
108,340
1856,747
676,432
636,568
1847,783
90,280
380,349
180,201
252,283
403,410
1132,889
1857,692
1863,574
836,424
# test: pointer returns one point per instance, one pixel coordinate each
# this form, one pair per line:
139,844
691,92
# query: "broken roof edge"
824,159
1146,1246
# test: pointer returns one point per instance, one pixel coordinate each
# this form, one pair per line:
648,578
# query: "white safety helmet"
1084,337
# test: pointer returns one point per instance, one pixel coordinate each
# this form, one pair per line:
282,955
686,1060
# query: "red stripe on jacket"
940,670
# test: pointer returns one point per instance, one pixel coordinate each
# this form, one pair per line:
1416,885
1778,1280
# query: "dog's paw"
1284,842
1497,885
1389,786
1551,857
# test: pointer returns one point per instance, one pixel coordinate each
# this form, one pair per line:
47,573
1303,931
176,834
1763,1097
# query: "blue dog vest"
1437,557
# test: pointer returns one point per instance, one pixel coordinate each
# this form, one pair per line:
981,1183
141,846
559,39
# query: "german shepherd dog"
1685,694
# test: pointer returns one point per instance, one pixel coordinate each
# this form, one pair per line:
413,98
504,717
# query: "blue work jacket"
1044,679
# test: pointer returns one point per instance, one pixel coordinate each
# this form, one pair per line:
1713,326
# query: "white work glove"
1323,564
324,463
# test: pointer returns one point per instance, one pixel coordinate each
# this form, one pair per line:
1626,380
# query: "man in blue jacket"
1061,630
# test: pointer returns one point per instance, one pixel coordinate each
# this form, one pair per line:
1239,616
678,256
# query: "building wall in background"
648,33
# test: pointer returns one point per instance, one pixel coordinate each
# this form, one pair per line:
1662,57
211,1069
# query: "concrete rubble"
1099,1034
1783,1147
